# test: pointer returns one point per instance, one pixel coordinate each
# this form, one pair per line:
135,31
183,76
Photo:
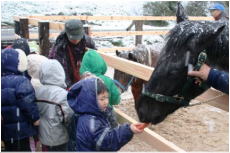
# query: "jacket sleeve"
219,80
52,52
26,100
112,139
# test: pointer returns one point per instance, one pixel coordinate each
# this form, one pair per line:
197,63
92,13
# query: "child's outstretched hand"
138,127
36,123
142,125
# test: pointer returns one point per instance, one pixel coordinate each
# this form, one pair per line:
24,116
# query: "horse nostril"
141,118
141,115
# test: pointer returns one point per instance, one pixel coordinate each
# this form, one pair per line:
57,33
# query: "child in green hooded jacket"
93,62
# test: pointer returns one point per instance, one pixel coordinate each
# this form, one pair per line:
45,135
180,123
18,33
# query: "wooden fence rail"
22,24
111,18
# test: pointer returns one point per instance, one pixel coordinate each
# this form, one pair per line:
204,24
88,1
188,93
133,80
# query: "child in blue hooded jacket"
89,99
19,111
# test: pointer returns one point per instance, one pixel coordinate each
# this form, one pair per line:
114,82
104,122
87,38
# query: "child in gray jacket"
53,107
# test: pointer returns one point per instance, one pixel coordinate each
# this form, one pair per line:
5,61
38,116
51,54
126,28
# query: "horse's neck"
150,59
137,88
154,57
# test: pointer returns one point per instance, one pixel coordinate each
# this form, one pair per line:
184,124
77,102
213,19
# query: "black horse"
169,87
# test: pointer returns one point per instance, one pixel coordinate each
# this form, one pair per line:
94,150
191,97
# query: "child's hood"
34,63
94,63
82,97
52,73
13,61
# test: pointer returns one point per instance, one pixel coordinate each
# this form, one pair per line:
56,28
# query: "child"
89,99
21,43
19,112
34,63
94,63
52,103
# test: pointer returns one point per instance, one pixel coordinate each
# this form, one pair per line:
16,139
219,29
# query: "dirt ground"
137,145
197,128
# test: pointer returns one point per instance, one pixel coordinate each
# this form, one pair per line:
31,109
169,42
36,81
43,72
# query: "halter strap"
124,88
166,99
149,56
180,100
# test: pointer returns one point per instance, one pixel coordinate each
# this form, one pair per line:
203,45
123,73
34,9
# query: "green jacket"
94,63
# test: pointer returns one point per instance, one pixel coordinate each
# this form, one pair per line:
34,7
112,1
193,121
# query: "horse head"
141,54
122,80
168,88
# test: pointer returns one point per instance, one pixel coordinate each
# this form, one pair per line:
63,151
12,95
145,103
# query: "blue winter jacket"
18,109
219,80
94,132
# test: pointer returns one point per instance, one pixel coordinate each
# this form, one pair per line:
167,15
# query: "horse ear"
132,57
117,53
180,13
218,30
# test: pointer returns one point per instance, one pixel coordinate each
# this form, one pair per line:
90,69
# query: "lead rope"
149,56
206,101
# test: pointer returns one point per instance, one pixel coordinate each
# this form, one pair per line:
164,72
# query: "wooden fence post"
24,28
17,27
138,27
87,29
43,35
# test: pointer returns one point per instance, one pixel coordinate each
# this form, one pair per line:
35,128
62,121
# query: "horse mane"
119,74
183,32
218,52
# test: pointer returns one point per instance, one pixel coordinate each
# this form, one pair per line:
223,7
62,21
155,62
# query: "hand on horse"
138,127
202,73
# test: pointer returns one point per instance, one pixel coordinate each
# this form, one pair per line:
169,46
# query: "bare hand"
202,73
36,123
135,128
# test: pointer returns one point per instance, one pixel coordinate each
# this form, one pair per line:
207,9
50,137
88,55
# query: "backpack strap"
53,103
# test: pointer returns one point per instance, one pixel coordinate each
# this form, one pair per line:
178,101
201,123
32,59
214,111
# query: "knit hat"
21,44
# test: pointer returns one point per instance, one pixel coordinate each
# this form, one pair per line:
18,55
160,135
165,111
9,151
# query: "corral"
199,128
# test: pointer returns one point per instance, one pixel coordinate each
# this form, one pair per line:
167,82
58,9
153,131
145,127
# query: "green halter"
180,99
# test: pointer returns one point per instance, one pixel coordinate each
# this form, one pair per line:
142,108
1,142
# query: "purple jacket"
60,53
219,80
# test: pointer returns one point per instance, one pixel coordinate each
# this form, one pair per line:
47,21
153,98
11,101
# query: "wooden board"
34,21
60,18
149,136
51,35
221,102
130,67
114,49
57,26
128,33
99,34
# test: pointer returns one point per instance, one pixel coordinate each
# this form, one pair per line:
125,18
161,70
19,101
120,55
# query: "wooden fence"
47,23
